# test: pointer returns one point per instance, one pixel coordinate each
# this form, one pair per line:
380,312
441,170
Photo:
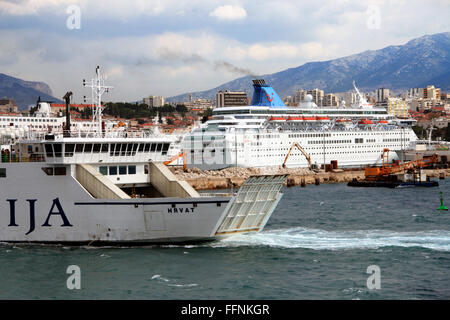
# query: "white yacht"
112,188
264,133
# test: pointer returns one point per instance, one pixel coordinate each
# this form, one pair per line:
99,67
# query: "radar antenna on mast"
98,88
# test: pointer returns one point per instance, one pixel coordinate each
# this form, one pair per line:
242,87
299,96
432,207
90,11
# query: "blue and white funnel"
265,96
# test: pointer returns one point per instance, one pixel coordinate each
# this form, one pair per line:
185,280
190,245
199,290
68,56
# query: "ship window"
49,150
111,150
147,147
97,147
87,147
112,170
123,149
131,169
129,148
48,171
79,148
105,147
141,147
68,149
153,147
158,148
103,170
122,170
60,171
2,172
165,148
117,150
146,169
135,146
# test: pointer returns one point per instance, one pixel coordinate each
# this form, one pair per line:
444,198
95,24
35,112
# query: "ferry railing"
218,194
40,135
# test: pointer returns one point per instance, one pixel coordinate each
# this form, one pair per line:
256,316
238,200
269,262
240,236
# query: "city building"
317,96
349,97
331,100
299,96
416,93
154,101
397,107
8,105
382,95
231,98
59,108
198,104
430,92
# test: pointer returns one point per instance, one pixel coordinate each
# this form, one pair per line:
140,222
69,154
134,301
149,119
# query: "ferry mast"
98,88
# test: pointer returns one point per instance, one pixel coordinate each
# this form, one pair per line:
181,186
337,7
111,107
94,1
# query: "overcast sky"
169,47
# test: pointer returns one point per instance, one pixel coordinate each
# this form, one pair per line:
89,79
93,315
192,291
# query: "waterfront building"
8,105
154,101
299,96
430,92
331,100
382,95
317,96
231,98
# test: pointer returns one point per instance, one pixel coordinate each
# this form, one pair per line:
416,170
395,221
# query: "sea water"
318,244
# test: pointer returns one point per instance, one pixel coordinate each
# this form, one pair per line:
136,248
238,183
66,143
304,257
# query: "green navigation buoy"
442,207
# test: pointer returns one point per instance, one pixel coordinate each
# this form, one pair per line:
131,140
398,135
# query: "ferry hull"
57,209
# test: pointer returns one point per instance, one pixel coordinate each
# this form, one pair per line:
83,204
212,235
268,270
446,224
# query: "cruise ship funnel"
265,96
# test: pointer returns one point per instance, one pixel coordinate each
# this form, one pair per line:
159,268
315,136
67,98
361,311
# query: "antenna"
98,88
362,100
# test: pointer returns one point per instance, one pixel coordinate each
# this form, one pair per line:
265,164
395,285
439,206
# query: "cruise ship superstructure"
263,133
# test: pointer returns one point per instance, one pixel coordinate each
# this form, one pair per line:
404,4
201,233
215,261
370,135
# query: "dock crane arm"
295,144
175,157
387,169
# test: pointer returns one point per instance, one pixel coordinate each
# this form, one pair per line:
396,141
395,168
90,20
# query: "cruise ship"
269,133
113,188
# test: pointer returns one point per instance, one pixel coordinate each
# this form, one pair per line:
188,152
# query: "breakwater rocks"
234,177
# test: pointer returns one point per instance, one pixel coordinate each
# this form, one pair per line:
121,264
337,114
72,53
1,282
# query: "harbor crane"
386,170
295,144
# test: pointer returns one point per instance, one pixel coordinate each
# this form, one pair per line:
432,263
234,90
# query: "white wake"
337,240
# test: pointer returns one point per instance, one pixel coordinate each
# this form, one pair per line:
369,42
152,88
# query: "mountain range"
416,64
24,93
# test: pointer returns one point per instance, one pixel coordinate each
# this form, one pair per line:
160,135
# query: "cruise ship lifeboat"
365,121
322,119
383,122
277,119
309,119
295,119
343,120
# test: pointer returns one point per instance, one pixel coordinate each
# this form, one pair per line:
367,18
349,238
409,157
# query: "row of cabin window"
27,119
114,149
112,170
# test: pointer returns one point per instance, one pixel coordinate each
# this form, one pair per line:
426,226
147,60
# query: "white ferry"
13,127
264,133
111,188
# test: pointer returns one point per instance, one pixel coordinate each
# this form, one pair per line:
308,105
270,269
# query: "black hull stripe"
104,243
146,203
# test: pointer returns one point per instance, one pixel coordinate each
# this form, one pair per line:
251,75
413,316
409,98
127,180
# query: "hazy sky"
169,47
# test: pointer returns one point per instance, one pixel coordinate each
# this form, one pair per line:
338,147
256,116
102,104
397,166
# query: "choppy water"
317,245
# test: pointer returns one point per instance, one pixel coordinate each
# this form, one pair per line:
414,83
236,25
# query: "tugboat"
397,175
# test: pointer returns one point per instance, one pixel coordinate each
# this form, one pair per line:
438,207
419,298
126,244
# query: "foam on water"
337,240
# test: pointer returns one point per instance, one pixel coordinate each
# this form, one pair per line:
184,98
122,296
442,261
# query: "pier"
231,178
